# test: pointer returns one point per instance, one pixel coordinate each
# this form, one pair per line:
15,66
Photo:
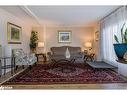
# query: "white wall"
26,32
80,35
96,45
26,29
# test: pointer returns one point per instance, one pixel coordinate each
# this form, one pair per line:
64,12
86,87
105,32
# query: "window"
109,26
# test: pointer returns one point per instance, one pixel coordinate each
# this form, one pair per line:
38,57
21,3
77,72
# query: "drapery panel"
109,26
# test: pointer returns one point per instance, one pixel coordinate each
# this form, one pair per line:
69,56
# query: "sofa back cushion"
18,54
74,50
62,50
58,50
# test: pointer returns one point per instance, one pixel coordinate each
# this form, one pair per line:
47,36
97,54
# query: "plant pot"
120,50
33,50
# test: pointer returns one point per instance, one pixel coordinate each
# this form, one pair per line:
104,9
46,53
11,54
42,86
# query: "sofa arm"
31,55
81,54
49,53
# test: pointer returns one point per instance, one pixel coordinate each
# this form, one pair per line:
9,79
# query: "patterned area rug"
65,74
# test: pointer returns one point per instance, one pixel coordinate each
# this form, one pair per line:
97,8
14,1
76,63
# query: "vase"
67,53
120,50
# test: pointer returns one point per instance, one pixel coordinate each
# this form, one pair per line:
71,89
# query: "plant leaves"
123,26
126,31
116,38
122,35
125,36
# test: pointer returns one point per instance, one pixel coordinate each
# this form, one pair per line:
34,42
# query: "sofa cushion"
74,50
58,50
58,57
62,50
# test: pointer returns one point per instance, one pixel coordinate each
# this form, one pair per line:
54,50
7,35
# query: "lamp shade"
40,44
88,44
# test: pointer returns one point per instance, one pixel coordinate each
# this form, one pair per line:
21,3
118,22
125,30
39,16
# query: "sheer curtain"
109,26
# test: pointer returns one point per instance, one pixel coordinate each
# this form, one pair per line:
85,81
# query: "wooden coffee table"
66,61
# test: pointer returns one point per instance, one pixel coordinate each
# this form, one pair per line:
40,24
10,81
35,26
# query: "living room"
68,27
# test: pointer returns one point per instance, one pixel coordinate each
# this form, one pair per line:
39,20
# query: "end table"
5,66
89,57
43,55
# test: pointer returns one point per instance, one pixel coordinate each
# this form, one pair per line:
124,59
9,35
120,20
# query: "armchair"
22,58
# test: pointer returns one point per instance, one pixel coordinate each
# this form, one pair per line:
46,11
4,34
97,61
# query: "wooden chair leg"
16,67
23,66
30,67
35,63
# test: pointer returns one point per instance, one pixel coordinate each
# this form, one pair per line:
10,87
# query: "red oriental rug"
65,74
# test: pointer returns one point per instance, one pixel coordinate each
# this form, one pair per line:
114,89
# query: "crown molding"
30,13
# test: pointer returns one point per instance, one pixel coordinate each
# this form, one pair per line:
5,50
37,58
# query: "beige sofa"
59,52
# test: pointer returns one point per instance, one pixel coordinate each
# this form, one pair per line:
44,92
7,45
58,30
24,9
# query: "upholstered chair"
22,58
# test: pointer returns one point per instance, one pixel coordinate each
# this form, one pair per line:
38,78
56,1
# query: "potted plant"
33,41
121,47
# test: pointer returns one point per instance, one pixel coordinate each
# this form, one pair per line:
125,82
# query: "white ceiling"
70,15
19,12
61,15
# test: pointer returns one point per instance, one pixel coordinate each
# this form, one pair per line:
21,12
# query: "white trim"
30,13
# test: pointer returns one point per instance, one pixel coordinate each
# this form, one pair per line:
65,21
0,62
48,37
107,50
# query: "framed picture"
13,33
97,35
64,36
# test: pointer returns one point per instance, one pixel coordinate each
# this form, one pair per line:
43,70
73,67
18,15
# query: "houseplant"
121,47
33,41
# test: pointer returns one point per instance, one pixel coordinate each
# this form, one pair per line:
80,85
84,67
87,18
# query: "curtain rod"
112,12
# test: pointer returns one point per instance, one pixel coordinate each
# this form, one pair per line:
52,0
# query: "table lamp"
40,45
88,45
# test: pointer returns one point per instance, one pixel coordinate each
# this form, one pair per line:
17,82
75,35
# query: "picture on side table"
14,33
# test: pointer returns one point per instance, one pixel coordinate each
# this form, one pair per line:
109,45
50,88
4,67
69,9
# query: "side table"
89,57
43,55
5,66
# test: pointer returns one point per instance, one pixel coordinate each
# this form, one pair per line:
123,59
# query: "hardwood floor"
8,75
72,86
61,86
